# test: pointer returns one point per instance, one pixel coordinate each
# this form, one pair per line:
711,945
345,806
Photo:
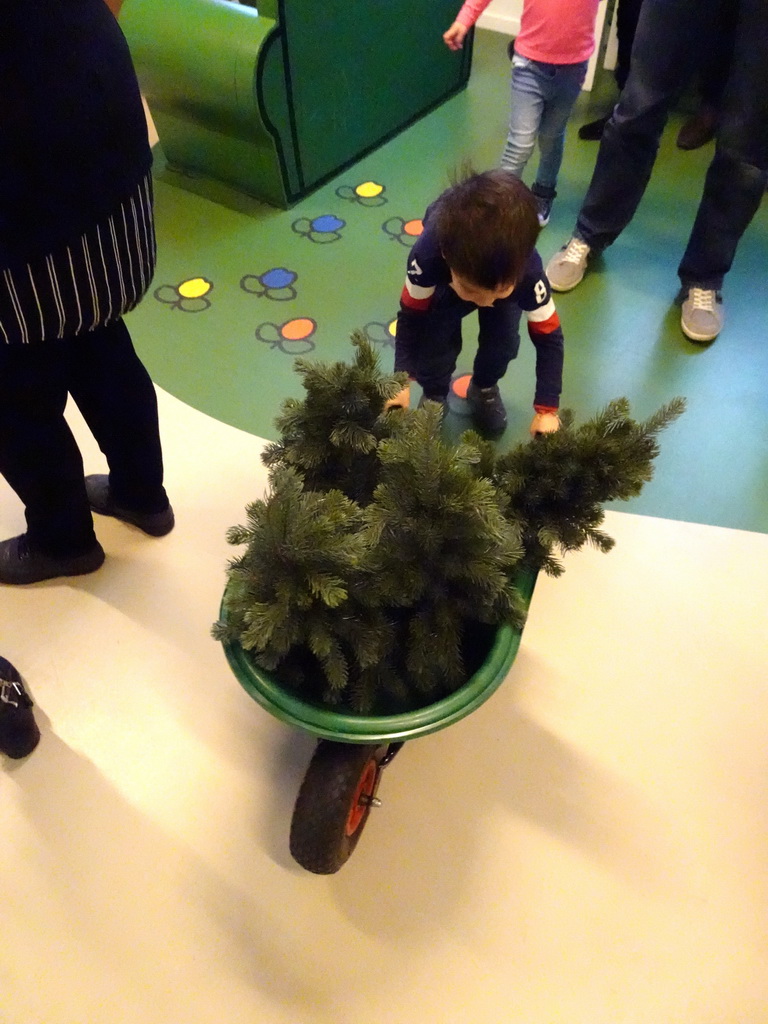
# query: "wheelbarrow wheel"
333,805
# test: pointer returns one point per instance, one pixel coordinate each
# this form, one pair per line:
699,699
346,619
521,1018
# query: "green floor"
209,338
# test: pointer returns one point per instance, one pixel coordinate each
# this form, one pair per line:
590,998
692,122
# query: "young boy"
477,252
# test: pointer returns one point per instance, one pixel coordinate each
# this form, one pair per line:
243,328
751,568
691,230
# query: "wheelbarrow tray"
345,727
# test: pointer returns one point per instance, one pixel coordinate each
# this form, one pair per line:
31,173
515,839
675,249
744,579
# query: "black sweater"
73,136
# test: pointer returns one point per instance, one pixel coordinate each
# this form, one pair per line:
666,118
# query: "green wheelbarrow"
342,781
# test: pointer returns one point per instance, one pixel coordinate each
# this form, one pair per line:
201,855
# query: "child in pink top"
549,64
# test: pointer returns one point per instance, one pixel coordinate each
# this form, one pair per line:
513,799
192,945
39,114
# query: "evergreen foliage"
293,596
380,549
331,436
557,484
440,547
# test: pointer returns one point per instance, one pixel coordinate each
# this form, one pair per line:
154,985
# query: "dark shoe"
544,198
20,563
19,734
156,524
487,408
440,400
593,130
544,210
699,129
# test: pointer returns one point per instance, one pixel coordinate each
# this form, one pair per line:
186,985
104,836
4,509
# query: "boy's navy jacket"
428,299
73,135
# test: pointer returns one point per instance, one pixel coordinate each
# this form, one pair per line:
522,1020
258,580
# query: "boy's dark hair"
487,225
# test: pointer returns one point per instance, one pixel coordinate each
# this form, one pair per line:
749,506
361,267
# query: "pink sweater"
552,31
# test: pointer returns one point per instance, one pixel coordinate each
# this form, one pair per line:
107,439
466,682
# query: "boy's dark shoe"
593,130
22,563
19,734
440,400
156,524
487,408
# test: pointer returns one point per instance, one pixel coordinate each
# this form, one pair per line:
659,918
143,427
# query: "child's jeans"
543,96
497,344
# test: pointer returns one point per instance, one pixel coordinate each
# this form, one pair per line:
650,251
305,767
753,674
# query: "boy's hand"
545,423
402,399
454,37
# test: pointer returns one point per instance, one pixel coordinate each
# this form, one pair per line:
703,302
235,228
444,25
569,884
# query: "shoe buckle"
5,691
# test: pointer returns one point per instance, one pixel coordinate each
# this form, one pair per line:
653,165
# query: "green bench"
274,101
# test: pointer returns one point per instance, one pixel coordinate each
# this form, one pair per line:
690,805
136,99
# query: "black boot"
593,130
19,734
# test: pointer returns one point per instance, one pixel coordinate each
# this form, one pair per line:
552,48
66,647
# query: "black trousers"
38,454
627,14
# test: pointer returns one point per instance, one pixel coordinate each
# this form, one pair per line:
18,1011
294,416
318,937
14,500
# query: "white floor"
590,847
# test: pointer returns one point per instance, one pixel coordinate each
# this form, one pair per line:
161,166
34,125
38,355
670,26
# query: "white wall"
502,16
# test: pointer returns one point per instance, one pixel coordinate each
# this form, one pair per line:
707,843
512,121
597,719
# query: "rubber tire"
319,841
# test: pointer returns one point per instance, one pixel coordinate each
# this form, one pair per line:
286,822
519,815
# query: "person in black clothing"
19,734
77,251
627,13
701,127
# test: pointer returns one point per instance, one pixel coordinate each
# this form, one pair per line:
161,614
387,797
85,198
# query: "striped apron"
84,285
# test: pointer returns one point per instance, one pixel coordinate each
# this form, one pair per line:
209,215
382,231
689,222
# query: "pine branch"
556,485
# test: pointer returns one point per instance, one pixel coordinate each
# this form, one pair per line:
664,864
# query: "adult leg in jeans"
116,396
528,81
627,17
736,178
700,128
627,14
668,38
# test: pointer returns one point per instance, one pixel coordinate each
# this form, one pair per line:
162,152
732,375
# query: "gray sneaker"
567,267
702,315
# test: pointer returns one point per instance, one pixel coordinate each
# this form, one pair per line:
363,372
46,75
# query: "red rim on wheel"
363,793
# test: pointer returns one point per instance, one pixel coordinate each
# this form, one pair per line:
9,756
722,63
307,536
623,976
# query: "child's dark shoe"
156,524
440,400
19,734
487,409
